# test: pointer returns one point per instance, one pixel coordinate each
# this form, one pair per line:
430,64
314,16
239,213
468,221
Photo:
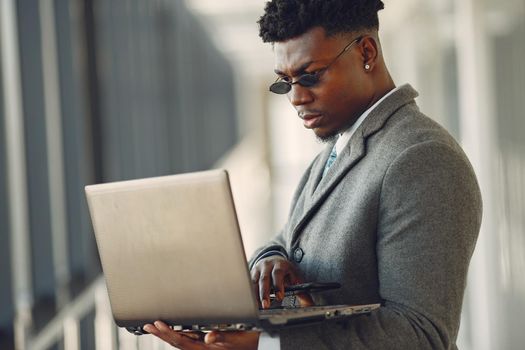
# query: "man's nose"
300,95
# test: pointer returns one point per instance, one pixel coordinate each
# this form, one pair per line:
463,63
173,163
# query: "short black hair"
286,19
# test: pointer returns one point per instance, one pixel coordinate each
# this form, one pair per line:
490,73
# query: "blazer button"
298,254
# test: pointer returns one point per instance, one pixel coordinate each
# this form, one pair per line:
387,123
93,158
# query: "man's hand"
244,340
276,272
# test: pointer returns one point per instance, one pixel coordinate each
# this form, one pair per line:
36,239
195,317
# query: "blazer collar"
379,115
320,187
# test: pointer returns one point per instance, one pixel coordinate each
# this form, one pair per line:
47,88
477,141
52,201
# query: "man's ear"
369,52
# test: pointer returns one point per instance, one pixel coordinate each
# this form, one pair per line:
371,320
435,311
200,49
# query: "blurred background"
94,91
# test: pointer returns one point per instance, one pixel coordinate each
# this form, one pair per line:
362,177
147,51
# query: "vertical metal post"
105,329
72,333
16,173
55,151
127,340
476,119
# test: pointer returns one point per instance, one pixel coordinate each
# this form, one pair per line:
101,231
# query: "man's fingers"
214,337
193,335
233,340
257,296
255,280
305,299
174,338
264,290
151,329
295,276
278,274
168,335
255,274
162,327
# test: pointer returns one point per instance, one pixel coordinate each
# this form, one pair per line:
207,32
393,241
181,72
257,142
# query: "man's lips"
312,120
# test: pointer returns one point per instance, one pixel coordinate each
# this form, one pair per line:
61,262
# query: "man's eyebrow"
296,71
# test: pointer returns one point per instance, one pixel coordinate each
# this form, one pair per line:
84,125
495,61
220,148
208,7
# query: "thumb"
213,337
305,299
237,339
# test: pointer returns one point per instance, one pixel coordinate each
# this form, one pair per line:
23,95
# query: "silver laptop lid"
171,250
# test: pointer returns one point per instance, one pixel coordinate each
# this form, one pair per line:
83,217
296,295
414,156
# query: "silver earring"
367,66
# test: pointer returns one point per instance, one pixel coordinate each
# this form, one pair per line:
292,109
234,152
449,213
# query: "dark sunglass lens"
280,87
308,80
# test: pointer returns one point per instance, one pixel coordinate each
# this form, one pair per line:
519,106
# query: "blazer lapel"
319,188
317,172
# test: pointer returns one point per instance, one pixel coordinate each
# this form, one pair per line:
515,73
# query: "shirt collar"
347,134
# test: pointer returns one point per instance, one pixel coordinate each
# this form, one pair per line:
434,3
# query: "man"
390,209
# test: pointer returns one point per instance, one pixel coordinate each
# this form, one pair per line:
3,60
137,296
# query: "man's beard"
335,135
327,138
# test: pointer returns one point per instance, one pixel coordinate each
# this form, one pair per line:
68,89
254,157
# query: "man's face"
343,91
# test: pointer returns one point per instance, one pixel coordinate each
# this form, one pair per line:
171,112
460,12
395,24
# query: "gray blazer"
395,220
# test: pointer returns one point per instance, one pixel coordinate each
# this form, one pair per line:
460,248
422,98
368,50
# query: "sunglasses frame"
282,87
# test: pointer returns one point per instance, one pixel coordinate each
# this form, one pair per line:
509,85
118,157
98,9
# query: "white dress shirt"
347,134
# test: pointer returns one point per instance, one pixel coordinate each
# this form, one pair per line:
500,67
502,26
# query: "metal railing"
65,328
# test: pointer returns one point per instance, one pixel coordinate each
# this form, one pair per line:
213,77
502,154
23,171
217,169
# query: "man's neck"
384,86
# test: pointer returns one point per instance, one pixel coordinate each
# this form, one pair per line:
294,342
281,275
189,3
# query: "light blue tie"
330,161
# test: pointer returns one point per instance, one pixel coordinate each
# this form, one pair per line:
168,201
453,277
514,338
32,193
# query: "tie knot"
330,160
333,154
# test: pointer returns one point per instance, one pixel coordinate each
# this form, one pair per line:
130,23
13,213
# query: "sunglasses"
281,86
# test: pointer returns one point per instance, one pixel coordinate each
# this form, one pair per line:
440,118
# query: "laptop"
171,250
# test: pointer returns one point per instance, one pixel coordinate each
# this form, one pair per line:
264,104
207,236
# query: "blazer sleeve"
277,245
429,218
